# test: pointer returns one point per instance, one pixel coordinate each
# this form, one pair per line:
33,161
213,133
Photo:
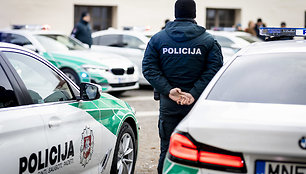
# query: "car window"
109,40
15,39
59,41
223,41
50,44
132,41
7,95
3,37
95,40
265,78
42,83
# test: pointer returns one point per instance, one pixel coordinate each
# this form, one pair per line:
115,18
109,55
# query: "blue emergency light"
279,32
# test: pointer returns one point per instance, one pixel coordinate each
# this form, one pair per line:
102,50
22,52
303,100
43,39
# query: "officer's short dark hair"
283,24
259,20
84,13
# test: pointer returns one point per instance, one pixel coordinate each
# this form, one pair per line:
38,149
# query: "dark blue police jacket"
182,55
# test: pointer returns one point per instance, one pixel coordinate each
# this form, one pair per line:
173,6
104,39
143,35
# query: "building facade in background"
62,15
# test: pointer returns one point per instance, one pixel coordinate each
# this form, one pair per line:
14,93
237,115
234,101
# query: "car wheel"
125,151
72,75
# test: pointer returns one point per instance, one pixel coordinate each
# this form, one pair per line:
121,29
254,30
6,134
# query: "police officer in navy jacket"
82,31
179,62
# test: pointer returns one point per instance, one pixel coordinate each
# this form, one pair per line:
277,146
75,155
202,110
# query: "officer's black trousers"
170,116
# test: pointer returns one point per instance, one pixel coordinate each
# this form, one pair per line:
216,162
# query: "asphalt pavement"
147,116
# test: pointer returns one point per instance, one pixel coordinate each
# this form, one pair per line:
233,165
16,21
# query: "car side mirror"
90,91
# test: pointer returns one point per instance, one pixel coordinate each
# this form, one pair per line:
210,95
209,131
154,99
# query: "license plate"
274,167
122,79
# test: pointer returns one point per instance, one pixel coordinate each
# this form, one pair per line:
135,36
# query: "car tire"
125,156
72,75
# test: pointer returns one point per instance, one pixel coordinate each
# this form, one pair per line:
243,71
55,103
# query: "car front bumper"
111,82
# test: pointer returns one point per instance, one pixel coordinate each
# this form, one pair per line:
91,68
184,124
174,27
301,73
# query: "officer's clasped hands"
180,97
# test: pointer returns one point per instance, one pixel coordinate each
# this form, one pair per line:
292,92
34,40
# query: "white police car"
130,44
49,125
251,117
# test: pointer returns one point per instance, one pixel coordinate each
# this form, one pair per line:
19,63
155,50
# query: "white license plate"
274,167
123,79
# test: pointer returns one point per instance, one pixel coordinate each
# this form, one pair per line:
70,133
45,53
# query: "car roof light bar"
278,32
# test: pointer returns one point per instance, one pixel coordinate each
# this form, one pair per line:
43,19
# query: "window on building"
221,17
101,16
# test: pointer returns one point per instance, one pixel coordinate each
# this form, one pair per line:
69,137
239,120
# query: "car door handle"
54,123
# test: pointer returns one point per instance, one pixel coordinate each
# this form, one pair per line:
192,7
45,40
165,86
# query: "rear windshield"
266,78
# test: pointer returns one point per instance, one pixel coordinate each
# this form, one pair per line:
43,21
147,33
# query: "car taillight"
184,149
220,159
181,147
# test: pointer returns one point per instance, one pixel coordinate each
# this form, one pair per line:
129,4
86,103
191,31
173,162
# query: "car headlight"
95,69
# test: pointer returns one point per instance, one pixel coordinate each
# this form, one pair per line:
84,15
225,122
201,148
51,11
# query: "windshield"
266,78
59,43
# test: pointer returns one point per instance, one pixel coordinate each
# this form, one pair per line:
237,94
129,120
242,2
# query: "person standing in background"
179,62
251,28
82,30
166,21
258,25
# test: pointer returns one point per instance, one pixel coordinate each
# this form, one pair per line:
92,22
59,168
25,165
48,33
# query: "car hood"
101,59
247,127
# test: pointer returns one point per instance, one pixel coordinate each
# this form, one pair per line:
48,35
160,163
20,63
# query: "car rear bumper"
278,163
171,167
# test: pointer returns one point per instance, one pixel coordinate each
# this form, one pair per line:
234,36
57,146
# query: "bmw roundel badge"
302,143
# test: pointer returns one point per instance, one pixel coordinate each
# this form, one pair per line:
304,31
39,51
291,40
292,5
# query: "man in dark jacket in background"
258,25
179,62
82,30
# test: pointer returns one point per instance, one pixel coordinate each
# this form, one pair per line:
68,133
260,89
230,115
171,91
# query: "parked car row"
132,44
111,71
249,119
115,59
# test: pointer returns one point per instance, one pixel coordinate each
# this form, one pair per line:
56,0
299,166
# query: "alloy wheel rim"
125,158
